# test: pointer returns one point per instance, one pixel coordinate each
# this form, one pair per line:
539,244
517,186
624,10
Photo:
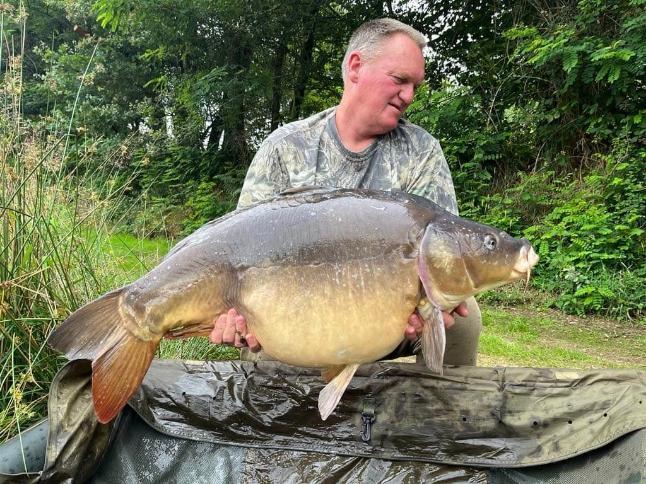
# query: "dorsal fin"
293,190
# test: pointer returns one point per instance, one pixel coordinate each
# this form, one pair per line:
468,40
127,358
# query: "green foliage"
192,87
588,229
47,265
592,241
58,249
211,199
546,143
591,62
478,151
589,232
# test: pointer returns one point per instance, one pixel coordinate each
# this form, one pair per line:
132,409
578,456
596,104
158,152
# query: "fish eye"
490,242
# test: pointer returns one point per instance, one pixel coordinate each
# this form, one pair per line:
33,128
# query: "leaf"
158,83
570,60
609,52
602,73
615,71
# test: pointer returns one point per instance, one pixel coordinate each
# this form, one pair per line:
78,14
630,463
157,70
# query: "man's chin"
389,124
384,124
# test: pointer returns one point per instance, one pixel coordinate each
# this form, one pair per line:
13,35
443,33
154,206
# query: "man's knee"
463,337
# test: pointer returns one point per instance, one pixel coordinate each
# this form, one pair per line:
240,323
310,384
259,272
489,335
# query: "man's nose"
406,93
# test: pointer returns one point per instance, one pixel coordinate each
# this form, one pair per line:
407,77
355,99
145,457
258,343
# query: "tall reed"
53,230
58,216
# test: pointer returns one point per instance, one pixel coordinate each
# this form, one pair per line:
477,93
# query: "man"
363,143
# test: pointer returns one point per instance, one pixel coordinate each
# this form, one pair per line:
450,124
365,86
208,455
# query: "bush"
588,231
48,267
214,198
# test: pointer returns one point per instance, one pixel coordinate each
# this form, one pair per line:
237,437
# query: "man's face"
386,84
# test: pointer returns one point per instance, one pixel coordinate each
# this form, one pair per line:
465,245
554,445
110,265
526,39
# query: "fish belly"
328,314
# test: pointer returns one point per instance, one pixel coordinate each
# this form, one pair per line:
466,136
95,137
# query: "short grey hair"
368,38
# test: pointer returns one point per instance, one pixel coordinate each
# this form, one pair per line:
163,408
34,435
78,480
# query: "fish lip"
532,257
526,260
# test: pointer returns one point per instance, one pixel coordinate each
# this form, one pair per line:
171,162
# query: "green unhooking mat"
258,422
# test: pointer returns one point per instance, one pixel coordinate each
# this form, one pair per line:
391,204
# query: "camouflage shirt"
310,153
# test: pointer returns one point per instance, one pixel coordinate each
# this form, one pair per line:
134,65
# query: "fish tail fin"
118,372
332,392
85,333
120,360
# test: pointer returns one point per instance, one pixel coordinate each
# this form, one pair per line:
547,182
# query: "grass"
60,202
56,220
135,256
539,337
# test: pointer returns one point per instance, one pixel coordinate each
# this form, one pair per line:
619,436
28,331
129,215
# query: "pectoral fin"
433,337
330,373
332,392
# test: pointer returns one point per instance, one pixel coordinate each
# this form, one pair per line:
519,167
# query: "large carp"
324,278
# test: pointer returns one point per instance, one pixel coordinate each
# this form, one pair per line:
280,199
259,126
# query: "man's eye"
398,79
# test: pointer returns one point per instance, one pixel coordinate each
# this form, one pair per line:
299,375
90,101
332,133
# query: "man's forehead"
407,65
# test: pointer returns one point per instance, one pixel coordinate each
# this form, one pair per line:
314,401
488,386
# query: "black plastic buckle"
367,418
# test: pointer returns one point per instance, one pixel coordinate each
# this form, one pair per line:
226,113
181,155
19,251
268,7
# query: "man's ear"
354,65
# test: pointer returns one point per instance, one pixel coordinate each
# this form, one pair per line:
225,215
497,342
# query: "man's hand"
415,323
231,329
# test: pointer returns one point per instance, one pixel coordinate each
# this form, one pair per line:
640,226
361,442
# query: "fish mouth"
526,260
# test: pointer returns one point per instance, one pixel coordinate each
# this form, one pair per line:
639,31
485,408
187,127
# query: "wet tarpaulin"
243,421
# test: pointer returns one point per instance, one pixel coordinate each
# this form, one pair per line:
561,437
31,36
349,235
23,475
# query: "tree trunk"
277,87
215,134
305,59
234,113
